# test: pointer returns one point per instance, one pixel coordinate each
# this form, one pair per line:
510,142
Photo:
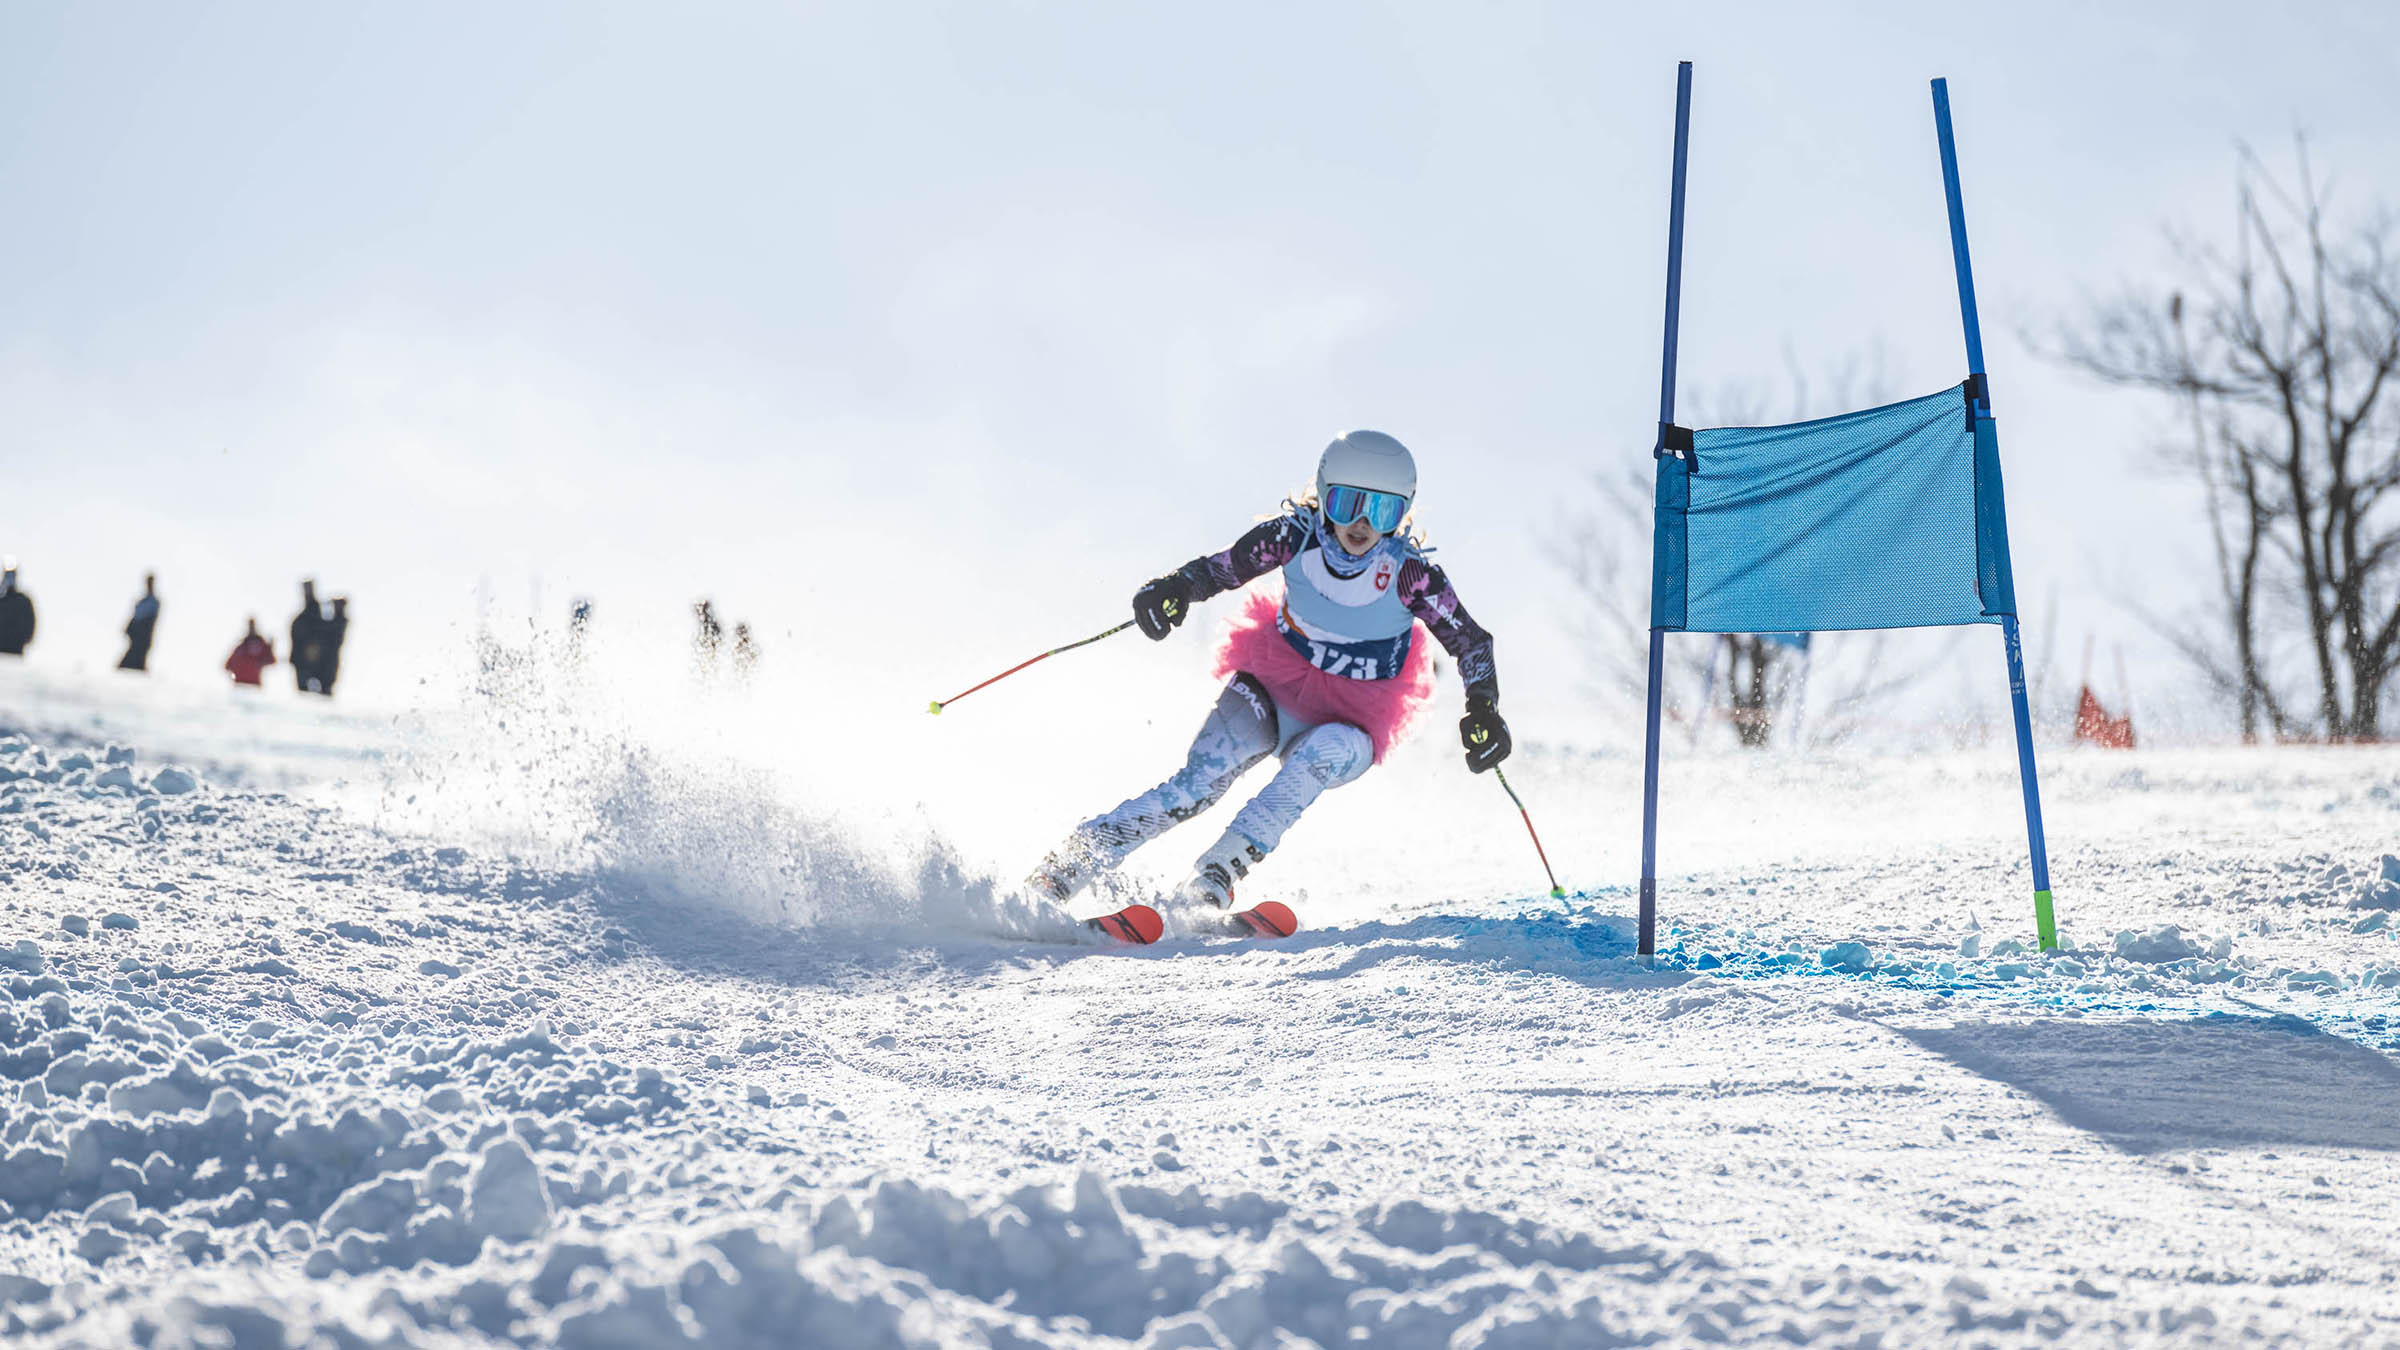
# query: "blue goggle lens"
1383,510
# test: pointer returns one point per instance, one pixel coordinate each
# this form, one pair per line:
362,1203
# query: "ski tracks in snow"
268,1073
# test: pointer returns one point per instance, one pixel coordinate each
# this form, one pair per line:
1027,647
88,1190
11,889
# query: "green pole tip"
934,707
1558,892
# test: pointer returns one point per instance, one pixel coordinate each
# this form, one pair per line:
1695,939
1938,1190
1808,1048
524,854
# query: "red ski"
1141,925
1272,919
1137,924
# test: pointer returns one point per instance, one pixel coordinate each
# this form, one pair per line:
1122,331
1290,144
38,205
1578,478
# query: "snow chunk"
120,919
25,956
557,1275
98,1245
638,1316
378,1208
181,1088
505,1198
1851,957
21,1289
31,1175
2156,947
173,782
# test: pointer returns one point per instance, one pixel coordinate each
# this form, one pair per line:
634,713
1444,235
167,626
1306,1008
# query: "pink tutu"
1384,709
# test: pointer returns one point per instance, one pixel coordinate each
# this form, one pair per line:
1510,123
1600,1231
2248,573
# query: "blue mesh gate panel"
1874,519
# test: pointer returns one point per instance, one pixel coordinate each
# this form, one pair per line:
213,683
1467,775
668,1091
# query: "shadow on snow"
2221,1080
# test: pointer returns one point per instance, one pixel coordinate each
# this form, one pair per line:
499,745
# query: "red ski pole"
1557,892
941,703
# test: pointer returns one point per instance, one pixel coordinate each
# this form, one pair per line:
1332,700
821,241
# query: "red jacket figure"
252,656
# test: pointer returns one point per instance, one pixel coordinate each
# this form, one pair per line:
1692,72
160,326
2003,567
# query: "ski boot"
1068,869
1228,860
1059,875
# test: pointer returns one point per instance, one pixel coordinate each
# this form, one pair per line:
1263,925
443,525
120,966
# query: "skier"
16,612
251,656
1328,676
140,628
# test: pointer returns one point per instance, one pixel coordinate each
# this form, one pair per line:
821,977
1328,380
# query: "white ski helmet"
1368,459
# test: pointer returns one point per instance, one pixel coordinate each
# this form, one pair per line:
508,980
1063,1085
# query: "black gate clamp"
1676,441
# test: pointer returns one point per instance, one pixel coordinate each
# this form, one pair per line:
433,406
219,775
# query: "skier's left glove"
1483,733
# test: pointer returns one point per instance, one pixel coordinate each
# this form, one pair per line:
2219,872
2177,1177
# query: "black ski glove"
1483,733
1159,606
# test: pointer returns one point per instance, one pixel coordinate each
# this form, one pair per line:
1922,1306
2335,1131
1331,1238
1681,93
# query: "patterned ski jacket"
1351,616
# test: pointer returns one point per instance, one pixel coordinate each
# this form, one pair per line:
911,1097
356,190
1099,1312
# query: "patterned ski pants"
1242,729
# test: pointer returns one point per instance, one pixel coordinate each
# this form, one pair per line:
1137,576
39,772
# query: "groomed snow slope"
279,1065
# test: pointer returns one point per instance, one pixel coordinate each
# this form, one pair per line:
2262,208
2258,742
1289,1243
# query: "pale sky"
920,335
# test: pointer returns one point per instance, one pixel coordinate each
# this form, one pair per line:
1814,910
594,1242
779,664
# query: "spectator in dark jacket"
336,629
16,612
251,657
308,642
139,628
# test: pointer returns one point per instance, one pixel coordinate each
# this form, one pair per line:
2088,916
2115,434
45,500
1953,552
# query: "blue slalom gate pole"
2044,921
1648,941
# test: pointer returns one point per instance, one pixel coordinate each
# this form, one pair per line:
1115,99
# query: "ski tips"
1137,924
1271,918
934,707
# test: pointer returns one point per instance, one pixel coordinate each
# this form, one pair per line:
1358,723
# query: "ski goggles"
1344,505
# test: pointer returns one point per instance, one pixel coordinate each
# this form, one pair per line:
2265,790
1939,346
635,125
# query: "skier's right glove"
1484,734
1159,606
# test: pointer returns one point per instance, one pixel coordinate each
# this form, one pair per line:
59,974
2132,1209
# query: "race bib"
1375,659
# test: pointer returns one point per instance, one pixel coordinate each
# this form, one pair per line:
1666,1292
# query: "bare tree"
1604,549
2281,354
1748,691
